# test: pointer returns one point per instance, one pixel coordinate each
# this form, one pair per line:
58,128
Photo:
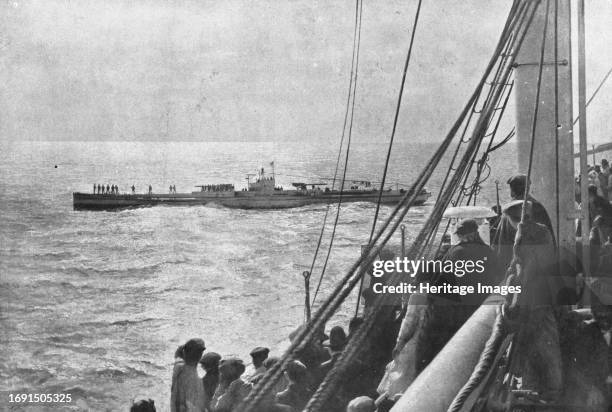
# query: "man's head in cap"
517,183
296,372
466,226
467,230
230,369
259,355
193,350
143,405
210,362
337,338
361,404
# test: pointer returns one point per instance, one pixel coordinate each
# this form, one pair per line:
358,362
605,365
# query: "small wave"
55,255
116,373
72,338
33,376
121,322
130,271
213,288
132,322
78,348
153,365
135,271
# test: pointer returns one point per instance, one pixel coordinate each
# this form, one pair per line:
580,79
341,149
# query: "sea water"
95,303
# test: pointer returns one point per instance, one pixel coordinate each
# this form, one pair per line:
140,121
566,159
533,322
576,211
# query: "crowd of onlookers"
209,382
600,176
100,189
105,190
600,216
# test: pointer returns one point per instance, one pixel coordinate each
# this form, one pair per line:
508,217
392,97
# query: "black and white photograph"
306,206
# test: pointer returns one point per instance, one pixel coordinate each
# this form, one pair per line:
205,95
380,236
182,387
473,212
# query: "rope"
494,341
483,366
352,89
395,120
482,164
345,285
506,139
356,343
596,91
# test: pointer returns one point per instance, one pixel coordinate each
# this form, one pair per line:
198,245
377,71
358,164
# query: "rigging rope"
506,139
492,345
395,120
355,345
348,282
596,91
358,11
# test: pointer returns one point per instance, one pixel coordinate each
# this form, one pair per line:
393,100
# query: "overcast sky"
251,70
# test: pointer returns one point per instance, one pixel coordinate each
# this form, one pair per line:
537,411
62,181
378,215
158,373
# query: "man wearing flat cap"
232,389
450,311
258,355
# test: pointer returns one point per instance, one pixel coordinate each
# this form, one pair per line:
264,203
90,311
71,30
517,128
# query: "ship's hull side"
239,200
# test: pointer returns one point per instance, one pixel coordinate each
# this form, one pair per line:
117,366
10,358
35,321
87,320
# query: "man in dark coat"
258,355
505,232
448,312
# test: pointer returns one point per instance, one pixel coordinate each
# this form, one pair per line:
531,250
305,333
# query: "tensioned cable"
534,122
346,113
354,345
595,92
505,140
346,159
495,80
395,120
479,134
346,284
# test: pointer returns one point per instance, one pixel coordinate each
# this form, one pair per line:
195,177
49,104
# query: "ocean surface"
95,303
